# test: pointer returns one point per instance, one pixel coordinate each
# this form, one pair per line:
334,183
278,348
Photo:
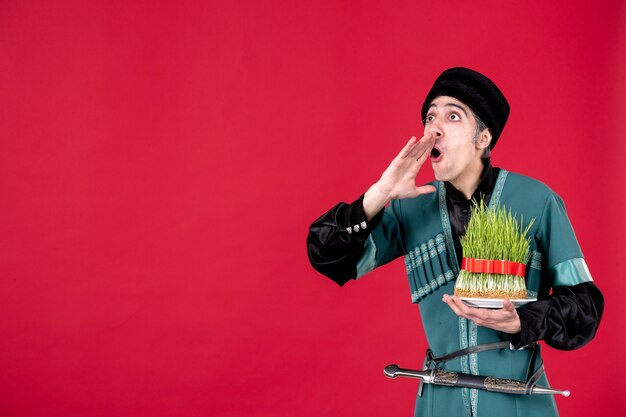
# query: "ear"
484,139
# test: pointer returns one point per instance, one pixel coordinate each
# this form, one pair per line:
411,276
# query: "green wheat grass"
493,233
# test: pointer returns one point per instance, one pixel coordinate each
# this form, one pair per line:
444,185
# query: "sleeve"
569,317
343,245
336,240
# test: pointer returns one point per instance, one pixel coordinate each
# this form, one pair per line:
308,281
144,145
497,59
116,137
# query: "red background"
160,163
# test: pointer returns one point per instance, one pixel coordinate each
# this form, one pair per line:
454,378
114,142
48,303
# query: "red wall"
160,163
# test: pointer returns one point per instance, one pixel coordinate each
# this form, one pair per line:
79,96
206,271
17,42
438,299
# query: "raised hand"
398,180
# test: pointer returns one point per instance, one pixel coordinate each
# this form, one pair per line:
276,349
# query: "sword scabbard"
461,380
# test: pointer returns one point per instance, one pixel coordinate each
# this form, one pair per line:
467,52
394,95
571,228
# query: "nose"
436,131
434,128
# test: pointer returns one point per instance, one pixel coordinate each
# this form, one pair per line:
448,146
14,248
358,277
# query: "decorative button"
349,230
356,228
363,225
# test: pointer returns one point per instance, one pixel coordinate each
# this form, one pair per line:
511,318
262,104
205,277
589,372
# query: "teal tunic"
419,229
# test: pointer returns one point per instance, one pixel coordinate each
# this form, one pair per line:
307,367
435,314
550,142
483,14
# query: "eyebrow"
450,105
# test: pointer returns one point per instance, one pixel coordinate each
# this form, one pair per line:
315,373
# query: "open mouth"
435,154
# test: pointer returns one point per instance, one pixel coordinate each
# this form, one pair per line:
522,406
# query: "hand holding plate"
504,319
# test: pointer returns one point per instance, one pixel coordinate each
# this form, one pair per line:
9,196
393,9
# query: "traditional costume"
425,230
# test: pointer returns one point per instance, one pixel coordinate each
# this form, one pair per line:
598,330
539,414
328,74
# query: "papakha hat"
476,91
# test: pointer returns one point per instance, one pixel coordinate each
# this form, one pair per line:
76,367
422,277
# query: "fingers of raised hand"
422,148
425,189
408,148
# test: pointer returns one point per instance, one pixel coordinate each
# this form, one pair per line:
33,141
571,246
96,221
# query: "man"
464,114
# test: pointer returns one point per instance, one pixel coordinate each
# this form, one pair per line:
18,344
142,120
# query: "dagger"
457,379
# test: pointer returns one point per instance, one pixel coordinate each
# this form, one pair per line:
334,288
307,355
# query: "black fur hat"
475,90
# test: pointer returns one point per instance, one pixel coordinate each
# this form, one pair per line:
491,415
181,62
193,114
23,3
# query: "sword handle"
394,371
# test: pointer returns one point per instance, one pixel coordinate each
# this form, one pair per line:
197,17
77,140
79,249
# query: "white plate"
494,302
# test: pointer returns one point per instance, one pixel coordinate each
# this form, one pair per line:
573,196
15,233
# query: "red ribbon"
488,266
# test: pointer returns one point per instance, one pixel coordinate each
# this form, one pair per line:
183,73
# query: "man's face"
455,157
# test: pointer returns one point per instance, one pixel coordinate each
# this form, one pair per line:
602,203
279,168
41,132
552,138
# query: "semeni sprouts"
493,234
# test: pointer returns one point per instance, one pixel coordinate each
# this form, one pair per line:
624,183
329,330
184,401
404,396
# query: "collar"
485,186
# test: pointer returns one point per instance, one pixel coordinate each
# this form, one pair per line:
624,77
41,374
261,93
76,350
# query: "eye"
429,118
455,116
